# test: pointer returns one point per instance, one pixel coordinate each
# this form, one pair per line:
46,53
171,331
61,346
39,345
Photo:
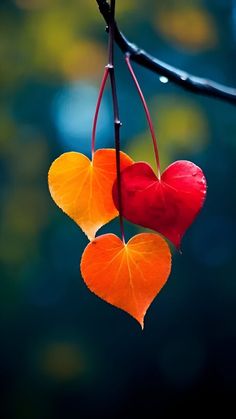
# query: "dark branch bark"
181,78
117,123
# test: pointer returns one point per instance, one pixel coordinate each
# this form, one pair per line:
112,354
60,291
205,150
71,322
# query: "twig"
95,119
148,116
117,123
181,78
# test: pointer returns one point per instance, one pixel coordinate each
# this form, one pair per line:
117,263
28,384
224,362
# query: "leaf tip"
140,320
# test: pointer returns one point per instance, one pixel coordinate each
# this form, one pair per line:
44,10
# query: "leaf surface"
169,205
83,188
128,276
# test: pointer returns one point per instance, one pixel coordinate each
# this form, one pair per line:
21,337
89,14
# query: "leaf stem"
151,127
117,123
100,95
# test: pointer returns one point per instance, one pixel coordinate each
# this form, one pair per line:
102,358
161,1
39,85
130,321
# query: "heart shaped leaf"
128,276
169,205
83,188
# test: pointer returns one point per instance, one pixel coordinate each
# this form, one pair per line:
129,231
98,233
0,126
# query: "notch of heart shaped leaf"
169,205
128,276
83,188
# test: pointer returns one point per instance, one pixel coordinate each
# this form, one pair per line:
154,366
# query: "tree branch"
187,81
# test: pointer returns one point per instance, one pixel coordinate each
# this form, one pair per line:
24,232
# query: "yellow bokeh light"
188,27
84,59
124,7
180,125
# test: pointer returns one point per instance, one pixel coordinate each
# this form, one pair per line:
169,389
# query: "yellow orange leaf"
83,188
128,276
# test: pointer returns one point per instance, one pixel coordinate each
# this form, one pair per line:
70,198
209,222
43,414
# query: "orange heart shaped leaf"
128,276
83,188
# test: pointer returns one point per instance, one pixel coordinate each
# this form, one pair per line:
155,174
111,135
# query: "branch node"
118,123
110,66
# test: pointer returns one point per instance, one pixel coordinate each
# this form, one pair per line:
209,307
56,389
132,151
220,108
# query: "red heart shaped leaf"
169,205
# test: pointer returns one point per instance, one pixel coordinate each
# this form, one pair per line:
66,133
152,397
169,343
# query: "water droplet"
163,79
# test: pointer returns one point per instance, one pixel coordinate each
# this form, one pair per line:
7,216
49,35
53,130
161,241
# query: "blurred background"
64,352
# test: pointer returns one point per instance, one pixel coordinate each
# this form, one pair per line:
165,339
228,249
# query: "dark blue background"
64,352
